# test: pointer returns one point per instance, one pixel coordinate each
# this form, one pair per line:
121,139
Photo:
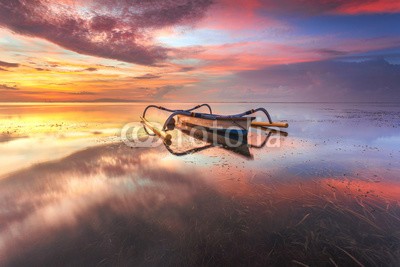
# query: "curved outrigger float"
232,126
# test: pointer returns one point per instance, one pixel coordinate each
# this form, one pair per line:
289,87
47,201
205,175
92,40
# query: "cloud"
373,80
80,93
331,52
7,64
186,69
315,7
120,30
164,90
91,69
1,69
237,15
371,6
159,93
147,76
7,87
249,15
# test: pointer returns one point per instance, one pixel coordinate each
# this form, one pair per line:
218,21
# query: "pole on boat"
267,124
165,136
273,131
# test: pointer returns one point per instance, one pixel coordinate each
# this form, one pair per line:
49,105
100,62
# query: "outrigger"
233,125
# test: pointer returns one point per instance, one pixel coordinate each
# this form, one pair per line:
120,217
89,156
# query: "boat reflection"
197,139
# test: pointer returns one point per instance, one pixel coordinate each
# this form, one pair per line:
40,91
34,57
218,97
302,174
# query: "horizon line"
150,101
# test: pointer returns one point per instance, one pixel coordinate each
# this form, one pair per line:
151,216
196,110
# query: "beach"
323,192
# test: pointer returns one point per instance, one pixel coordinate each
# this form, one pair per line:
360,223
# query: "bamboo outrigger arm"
267,124
163,135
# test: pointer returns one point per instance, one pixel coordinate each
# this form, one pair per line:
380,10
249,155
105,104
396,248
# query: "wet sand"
71,193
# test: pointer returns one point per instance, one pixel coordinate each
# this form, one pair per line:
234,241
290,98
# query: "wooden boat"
228,125
219,125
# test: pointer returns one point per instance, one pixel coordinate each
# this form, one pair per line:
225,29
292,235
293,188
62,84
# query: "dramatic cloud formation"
105,28
289,50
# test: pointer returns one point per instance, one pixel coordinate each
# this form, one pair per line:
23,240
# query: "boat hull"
239,125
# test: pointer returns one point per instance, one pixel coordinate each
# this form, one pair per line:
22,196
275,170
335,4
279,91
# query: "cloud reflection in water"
114,205
83,194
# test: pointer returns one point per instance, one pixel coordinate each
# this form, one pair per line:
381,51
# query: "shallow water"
325,193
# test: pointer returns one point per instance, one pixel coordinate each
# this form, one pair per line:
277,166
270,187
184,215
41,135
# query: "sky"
200,50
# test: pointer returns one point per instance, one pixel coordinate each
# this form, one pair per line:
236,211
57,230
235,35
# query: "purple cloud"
331,52
372,80
316,7
112,29
147,76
